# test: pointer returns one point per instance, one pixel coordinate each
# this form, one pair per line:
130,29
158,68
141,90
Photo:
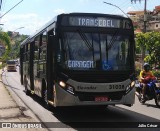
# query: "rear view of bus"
11,65
95,60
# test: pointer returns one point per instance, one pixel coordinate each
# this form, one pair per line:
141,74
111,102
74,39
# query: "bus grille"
87,96
100,78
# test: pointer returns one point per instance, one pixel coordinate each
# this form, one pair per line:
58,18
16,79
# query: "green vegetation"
11,43
15,44
150,42
5,41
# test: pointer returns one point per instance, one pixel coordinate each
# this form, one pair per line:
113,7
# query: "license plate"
101,98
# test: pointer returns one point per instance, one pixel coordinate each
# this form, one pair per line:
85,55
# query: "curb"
23,108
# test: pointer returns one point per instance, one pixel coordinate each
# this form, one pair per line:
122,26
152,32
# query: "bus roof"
26,40
69,14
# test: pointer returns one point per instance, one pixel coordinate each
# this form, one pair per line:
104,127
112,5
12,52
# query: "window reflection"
107,53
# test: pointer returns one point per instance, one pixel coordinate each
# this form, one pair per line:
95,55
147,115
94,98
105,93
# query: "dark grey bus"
81,59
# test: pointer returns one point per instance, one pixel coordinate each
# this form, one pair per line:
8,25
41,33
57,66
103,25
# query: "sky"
30,15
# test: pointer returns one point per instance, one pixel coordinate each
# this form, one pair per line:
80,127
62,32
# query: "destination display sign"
80,64
94,22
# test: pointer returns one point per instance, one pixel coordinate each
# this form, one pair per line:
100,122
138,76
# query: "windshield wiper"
85,39
113,39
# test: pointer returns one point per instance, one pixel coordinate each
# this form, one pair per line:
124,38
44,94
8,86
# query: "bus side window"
25,52
24,58
28,52
36,55
43,47
36,49
42,53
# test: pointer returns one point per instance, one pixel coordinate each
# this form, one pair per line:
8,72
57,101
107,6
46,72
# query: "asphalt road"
72,118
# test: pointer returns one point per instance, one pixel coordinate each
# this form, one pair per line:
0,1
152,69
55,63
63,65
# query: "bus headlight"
67,87
130,87
132,84
62,84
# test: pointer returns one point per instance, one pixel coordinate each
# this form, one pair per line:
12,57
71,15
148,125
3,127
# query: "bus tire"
45,97
157,100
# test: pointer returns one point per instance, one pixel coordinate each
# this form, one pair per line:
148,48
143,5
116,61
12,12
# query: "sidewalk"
11,111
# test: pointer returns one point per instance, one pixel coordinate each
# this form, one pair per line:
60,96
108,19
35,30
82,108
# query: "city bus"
81,59
11,65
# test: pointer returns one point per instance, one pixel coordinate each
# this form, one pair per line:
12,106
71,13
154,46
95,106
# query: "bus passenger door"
50,64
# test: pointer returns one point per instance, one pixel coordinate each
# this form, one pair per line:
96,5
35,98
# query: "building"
153,19
154,22
135,15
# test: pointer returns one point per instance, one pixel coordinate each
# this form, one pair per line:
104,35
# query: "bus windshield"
96,51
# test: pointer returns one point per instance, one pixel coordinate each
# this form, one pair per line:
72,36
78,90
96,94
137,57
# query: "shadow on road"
150,105
115,117
75,117
97,117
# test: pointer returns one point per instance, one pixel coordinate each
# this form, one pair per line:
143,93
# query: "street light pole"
18,28
145,16
0,4
116,7
13,32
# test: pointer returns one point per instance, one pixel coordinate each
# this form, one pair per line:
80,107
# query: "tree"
15,46
141,44
150,42
153,47
5,41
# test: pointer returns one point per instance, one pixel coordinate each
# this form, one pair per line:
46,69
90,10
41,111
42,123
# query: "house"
154,22
153,19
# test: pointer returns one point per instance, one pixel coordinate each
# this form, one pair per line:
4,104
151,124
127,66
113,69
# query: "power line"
11,8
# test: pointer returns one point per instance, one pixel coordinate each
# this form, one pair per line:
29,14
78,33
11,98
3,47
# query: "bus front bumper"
64,98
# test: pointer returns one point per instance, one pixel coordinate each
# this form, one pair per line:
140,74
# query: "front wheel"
45,100
157,100
139,96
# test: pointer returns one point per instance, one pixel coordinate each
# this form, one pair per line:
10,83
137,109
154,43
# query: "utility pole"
145,13
144,29
0,9
145,16
0,4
